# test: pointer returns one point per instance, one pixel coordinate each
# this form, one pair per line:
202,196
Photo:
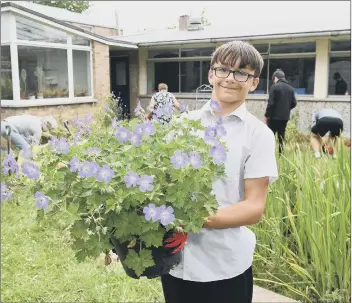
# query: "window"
6,74
81,73
263,80
197,52
186,70
340,67
77,40
35,31
340,45
340,76
262,48
167,72
164,53
190,76
299,73
43,72
284,48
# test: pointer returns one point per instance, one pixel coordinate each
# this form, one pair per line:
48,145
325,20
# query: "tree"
72,6
204,19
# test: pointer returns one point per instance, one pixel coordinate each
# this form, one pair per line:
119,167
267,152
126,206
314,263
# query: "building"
66,64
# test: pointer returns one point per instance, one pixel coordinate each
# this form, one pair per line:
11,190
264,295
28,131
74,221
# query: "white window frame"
337,54
266,55
14,43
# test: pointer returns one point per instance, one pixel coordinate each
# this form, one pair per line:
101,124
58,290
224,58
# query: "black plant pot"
162,256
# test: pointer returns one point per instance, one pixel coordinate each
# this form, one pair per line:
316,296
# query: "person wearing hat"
27,130
340,85
281,101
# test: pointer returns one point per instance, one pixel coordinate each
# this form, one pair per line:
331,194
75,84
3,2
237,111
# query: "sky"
135,16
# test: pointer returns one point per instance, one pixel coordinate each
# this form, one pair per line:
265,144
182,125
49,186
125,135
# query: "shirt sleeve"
261,161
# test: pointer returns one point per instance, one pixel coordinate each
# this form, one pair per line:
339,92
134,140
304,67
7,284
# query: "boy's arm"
247,212
260,170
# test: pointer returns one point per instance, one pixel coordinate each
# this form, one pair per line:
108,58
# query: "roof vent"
195,24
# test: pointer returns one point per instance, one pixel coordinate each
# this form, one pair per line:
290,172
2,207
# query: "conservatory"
45,61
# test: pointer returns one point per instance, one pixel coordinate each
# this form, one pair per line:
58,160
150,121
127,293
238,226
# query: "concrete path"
261,295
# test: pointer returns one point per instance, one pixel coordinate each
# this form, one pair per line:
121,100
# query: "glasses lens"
222,72
241,77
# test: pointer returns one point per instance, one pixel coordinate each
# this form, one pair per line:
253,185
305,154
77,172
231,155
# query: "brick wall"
303,110
62,112
105,31
101,70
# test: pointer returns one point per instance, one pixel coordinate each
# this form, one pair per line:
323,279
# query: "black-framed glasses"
240,76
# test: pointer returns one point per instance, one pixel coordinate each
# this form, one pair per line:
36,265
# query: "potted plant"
136,186
23,83
31,96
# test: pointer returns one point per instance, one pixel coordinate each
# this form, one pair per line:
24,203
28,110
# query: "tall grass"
304,246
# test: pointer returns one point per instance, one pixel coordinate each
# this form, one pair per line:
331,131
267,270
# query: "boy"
217,263
324,121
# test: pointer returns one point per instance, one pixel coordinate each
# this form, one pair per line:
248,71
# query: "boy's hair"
162,86
238,53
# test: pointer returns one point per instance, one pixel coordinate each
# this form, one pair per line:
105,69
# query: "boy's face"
228,90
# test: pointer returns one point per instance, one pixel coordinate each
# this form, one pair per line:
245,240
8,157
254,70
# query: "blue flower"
139,129
131,179
179,159
27,153
106,108
105,174
5,192
210,140
74,164
92,150
151,212
148,128
210,132
220,131
145,183
52,142
215,105
195,160
183,107
138,109
122,134
10,164
41,200
62,146
86,169
30,169
218,154
166,215
135,139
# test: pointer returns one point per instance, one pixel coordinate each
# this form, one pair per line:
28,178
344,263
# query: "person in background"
281,101
27,130
340,85
324,121
162,99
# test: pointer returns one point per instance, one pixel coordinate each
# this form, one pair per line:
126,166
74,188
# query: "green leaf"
153,238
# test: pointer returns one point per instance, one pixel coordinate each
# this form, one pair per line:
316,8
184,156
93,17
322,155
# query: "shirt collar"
240,112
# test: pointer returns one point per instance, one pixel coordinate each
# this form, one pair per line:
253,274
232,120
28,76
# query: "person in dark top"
281,100
341,85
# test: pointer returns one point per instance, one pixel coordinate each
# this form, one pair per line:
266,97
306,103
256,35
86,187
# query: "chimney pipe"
183,22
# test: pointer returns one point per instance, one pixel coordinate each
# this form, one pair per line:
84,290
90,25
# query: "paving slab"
262,295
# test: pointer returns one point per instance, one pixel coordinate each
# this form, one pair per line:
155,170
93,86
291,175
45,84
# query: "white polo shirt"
218,254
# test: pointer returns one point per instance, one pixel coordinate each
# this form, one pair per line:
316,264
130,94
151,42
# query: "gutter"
255,37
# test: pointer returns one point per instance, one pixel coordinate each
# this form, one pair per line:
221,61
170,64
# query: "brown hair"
238,53
162,86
